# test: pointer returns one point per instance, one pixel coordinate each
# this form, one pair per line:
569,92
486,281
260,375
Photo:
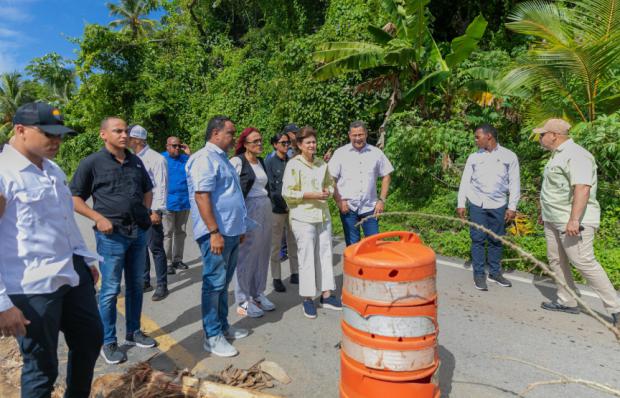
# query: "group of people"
243,211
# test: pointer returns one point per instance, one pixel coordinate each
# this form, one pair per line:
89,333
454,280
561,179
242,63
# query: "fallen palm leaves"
142,381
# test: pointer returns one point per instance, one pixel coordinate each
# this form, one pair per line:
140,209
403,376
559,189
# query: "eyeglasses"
255,142
285,143
176,146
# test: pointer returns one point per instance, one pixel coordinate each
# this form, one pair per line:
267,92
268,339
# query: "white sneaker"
236,333
219,346
264,303
249,308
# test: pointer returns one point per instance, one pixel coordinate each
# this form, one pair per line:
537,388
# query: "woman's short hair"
277,136
305,132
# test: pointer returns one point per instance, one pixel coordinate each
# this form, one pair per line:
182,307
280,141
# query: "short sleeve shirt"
570,165
209,170
117,188
356,173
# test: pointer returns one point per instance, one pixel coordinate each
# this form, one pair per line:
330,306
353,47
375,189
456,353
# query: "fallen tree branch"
563,379
524,254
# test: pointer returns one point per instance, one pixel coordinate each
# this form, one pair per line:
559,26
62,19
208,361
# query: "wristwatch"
215,231
381,200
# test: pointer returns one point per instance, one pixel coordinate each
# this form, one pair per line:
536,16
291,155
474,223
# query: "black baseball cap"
290,128
42,115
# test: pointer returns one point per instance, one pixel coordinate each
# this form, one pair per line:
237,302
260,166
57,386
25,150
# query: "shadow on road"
446,371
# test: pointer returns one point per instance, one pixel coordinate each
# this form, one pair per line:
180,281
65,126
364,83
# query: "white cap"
138,131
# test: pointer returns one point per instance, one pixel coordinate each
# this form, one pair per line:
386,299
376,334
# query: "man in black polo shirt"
121,191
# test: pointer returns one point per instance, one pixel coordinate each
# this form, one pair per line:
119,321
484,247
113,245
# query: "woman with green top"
306,187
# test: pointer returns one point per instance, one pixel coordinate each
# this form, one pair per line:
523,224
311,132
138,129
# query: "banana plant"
402,56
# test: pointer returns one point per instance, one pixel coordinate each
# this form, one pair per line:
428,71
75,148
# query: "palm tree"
571,67
130,15
403,55
12,96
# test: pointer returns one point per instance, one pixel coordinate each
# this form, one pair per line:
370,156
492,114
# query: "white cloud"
14,14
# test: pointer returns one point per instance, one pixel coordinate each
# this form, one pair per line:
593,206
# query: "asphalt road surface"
477,331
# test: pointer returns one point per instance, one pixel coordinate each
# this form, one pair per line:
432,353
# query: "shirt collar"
143,151
127,154
304,161
211,146
21,162
564,145
365,148
497,148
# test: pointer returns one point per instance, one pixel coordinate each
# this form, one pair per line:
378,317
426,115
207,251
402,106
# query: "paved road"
476,328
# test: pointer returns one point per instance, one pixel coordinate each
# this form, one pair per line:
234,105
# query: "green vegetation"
424,72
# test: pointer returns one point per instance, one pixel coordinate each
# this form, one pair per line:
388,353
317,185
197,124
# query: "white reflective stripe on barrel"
390,326
397,361
391,292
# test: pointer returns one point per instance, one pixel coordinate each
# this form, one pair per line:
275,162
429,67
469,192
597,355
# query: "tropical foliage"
424,72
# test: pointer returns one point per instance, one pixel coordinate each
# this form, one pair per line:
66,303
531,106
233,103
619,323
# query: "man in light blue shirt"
490,186
219,220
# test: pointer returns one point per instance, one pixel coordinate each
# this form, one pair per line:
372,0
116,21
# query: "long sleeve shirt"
491,179
301,177
38,232
157,168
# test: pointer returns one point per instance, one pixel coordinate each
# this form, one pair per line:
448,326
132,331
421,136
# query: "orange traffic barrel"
389,343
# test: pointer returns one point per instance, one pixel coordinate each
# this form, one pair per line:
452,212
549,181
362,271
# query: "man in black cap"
45,284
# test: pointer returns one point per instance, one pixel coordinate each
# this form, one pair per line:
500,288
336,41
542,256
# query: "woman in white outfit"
306,187
254,251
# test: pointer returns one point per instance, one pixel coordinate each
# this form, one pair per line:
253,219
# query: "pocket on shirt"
30,205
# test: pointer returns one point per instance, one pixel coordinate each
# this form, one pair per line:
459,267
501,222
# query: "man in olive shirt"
571,216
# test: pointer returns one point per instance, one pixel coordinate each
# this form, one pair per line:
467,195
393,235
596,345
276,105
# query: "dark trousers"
493,219
352,232
155,243
72,310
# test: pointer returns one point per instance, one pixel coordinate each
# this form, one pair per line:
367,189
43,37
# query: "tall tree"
13,94
571,68
56,74
131,16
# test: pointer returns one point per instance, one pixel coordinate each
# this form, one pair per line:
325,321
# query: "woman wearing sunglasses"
253,261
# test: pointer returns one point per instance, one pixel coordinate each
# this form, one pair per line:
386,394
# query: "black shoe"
180,265
160,293
294,279
480,282
278,286
140,339
500,280
147,287
616,319
553,306
112,354
171,270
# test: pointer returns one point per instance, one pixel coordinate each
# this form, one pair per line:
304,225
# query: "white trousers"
578,250
314,251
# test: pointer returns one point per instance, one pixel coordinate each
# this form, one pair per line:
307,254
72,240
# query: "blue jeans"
493,219
217,272
121,253
155,242
351,232
72,310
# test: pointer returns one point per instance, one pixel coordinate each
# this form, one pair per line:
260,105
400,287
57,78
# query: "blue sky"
32,28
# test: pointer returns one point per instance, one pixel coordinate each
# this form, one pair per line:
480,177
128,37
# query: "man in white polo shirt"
571,215
45,285
356,168
490,187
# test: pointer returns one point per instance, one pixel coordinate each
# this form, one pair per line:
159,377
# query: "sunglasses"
285,143
177,146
